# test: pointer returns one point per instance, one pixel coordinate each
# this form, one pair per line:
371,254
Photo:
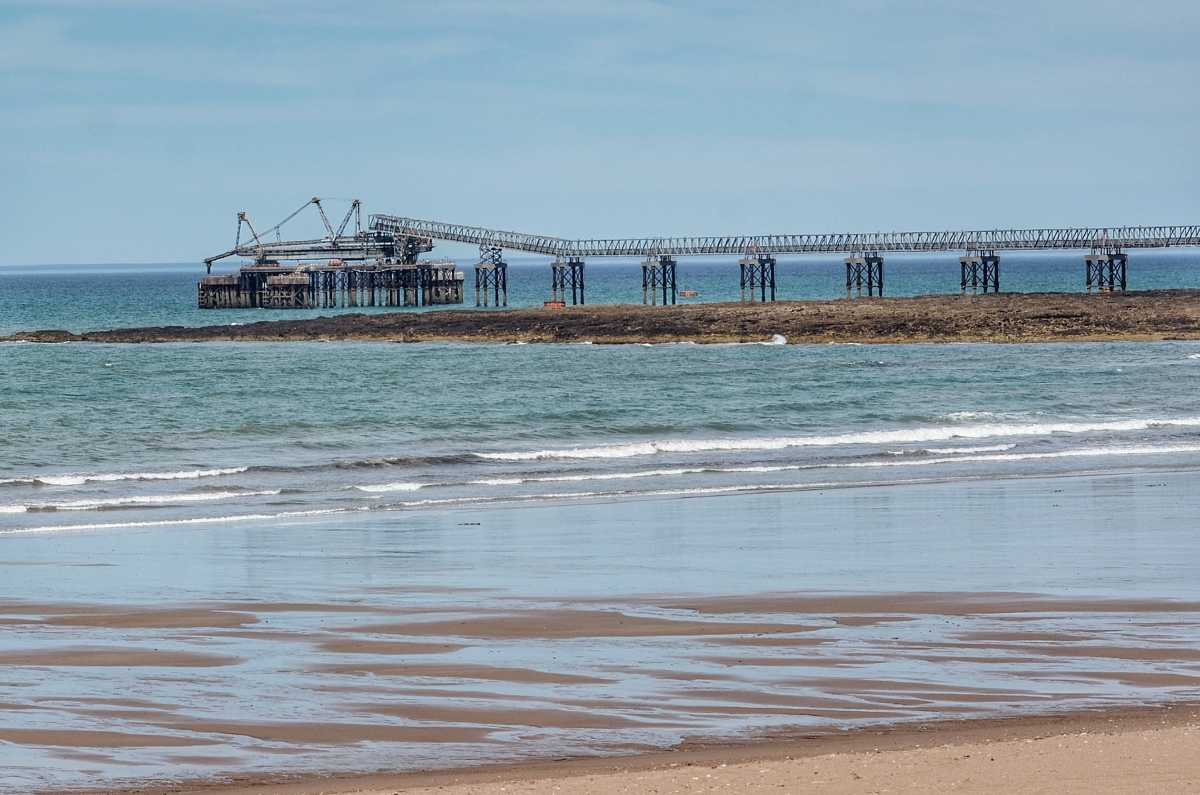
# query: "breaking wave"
200,520
386,487
913,435
132,501
108,477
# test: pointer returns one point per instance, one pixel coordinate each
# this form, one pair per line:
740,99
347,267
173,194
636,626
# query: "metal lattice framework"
337,244
1100,238
436,230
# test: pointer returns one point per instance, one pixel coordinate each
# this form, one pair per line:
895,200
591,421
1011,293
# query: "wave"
369,463
991,448
668,492
363,463
133,501
960,455
649,473
1076,453
995,448
106,477
576,495
959,416
385,487
242,517
912,435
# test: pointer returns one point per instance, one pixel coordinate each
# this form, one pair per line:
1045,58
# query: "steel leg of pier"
991,272
575,265
874,264
558,281
658,276
757,276
969,266
1105,271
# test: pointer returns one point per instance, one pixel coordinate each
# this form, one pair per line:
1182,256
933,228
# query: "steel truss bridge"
395,236
1109,239
395,240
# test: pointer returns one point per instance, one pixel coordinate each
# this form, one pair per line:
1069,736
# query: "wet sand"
1003,317
1112,751
797,666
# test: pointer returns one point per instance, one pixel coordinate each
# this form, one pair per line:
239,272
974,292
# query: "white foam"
646,473
912,435
1077,453
964,454
776,339
80,479
243,517
133,501
994,448
959,416
576,495
384,487
918,462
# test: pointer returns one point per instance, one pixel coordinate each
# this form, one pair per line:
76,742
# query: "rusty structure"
359,268
381,265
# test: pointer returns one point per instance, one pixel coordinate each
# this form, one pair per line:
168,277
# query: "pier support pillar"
757,275
658,276
980,269
567,274
865,269
1105,270
491,275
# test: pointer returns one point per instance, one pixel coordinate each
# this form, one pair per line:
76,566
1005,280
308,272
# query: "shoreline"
999,317
922,747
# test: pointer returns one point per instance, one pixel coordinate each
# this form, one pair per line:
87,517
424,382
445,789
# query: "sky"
133,131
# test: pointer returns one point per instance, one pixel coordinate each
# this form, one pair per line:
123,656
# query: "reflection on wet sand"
637,672
582,630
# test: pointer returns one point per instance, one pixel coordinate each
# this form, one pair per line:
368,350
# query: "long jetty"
382,262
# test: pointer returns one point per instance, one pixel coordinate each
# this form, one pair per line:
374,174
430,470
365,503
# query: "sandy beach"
1003,317
1114,751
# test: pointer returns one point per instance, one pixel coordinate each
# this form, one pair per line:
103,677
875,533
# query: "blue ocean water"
177,433
90,297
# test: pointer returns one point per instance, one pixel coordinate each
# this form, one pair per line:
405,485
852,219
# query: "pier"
386,283
381,265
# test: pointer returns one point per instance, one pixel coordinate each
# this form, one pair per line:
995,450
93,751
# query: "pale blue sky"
133,131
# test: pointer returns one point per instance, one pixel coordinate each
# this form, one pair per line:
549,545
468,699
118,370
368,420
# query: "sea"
320,472
162,435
